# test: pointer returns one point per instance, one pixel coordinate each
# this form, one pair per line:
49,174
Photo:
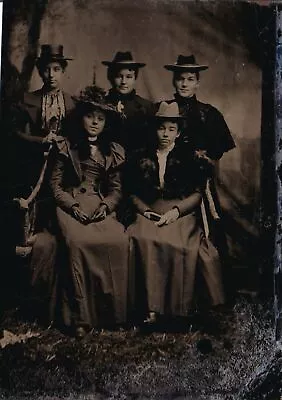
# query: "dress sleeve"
222,140
114,186
139,204
196,174
131,183
117,155
24,129
62,198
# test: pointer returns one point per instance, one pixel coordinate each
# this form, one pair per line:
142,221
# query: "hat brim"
179,117
127,64
186,67
103,107
52,58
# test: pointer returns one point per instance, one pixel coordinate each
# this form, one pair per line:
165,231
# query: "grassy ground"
212,357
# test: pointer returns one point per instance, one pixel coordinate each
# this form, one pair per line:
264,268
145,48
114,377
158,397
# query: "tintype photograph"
138,200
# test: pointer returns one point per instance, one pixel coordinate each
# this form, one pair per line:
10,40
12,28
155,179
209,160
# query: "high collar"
115,96
92,141
185,101
167,150
51,92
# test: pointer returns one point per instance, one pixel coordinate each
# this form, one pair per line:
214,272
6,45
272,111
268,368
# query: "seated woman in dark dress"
86,185
165,186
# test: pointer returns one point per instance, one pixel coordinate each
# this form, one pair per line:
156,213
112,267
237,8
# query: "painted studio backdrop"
157,32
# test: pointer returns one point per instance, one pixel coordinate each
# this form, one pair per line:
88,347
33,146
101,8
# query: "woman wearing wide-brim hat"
165,186
207,132
122,74
87,189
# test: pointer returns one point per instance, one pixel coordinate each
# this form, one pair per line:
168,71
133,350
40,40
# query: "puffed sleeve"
114,186
117,154
222,140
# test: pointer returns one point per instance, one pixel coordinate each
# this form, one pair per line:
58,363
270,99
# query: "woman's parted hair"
176,76
42,64
114,70
155,125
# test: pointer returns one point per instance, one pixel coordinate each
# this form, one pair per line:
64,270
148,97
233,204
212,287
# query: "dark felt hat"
95,96
52,52
186,63
123,59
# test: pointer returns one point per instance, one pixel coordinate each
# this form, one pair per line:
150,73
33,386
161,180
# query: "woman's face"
94,122
186,84
167,132
52,75
125,80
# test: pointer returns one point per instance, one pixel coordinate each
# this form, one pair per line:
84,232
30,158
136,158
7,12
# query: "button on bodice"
93,172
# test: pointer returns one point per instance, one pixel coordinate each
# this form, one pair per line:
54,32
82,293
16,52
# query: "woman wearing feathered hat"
87,188
208,133
165,186
122,74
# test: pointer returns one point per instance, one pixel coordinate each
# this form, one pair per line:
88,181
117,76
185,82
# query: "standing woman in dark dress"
207,132
165,186
38,122
122,74
87,188
44,110
206,129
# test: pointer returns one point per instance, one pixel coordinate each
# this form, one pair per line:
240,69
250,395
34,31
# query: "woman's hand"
202,154
80,215
100,213
169,217
152,216
50,138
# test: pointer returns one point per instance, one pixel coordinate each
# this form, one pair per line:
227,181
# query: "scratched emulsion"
235,362
278,156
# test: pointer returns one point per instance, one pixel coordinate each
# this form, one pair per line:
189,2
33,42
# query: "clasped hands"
50,138
168,218
99,214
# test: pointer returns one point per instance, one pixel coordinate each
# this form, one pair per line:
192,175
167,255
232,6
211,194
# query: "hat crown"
186,60
168,110
186,63
123,56
52,50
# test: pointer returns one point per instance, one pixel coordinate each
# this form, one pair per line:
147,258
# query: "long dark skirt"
43,277
168,257
95,280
